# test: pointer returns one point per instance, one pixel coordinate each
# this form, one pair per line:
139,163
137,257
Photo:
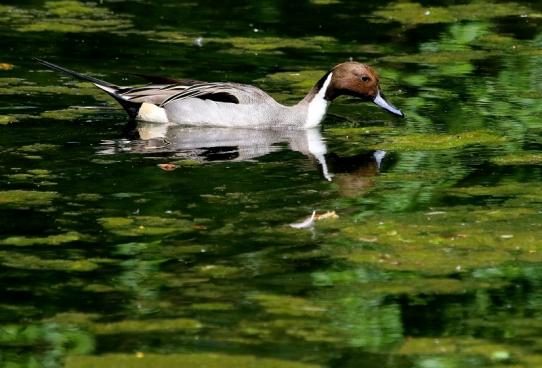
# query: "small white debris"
198,41
309,222
379,156
428,12
507,236
458,268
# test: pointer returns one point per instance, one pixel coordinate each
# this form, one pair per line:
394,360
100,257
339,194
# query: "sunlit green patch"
69,8
39,177
413,13
429,260
300,80
26,198
13,118
506,189
465,346
358,132
73,318
400,284
325,2
6,82
497,41
287,305
71,113
149,325
207,360
64,16
7,119
100,288
444,242
297,327
425,142
21,87
37,147
186,163
29,262
266,44
457,59
218,271
101,161
145,225
88,197
274,43
212,306
23,241
20,177
522,158
397,176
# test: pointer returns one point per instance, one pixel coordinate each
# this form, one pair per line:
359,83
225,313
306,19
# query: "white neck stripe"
318,106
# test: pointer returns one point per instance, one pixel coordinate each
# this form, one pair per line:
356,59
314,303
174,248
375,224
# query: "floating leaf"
25,198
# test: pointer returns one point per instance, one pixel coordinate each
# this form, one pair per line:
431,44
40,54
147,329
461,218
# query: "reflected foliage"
147,247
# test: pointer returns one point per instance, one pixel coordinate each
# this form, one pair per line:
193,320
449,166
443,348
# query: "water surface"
140,246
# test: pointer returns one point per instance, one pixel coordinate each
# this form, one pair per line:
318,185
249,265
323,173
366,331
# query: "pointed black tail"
132,108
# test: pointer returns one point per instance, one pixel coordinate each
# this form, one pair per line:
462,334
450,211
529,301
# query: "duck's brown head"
358,80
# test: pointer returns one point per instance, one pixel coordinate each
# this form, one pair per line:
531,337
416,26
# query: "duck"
235,105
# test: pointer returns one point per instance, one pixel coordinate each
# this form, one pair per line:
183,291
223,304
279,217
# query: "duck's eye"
365,78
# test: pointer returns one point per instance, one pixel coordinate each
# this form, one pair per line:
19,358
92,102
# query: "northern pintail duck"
219,104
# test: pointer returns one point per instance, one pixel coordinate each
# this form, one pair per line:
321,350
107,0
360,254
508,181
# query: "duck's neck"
316,102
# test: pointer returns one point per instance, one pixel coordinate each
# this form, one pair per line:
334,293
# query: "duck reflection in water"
205,144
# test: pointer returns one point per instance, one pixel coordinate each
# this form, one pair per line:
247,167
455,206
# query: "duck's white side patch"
318,106
153,113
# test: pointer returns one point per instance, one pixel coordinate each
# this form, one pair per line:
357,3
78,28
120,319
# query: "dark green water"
431,259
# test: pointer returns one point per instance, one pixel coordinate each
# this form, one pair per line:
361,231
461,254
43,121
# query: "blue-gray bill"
381,101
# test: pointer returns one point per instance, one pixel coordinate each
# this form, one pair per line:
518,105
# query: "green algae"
29,262
325,2
257,44
522,158
278,329
302,80
413,13
207,360
71,113
88,197
39,177
287,305
212,306
37,148
430,187
73,318
64,17
424,142
523,193
355,133
145,225
491,351
455,62
441,243
7,119
26,198
149,325
218,271
59,239
78,89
